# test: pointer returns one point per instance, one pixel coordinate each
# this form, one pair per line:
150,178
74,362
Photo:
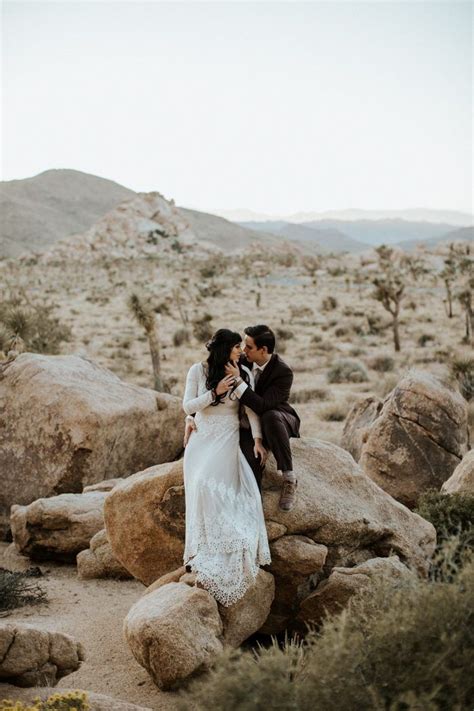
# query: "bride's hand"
225,384
232,369
260,451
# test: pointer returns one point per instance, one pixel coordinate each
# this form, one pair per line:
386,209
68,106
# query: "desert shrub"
356,352
382,363
18,589
334,412
283,334
309,394
340,331
35,325
391,650
202,328
424,339
452,515
463,371
329,303
301,312
66,701
181,336
316,338
384,385
347,370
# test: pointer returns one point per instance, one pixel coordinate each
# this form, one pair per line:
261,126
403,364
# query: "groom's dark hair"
262,336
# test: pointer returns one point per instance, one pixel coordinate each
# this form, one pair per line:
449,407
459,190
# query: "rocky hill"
38,211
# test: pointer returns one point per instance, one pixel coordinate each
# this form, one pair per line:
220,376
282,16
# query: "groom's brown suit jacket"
272,391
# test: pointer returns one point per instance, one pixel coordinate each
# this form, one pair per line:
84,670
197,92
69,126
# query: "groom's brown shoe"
288,495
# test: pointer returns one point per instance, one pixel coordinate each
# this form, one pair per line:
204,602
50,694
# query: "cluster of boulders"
342,534
119,510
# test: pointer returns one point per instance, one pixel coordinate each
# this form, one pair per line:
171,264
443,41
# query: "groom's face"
254,354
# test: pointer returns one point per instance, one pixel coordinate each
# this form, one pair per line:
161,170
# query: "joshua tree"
448,275
465,268
396,268
146,317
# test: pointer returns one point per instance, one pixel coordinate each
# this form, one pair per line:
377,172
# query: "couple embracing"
237,409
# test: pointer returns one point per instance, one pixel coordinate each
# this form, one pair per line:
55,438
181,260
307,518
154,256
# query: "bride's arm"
192,402
255,425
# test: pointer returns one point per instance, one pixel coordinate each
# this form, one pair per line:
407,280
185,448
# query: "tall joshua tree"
395,270
448,275
465,262
146,317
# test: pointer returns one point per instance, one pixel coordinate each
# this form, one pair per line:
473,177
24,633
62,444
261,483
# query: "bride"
226,539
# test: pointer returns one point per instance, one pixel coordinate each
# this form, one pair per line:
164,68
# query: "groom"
273,379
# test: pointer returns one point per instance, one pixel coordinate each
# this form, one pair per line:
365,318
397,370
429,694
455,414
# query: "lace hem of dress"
227,580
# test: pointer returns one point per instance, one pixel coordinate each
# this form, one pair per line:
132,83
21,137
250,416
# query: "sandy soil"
92,611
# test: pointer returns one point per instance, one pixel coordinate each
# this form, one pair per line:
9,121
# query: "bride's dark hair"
220,347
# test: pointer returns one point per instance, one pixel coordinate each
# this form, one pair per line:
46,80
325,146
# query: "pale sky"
277,107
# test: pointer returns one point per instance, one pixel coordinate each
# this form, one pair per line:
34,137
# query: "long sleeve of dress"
192,402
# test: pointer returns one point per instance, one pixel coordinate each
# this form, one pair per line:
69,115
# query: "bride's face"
236,352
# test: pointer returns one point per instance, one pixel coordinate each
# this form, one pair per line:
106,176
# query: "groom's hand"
260,451
232,369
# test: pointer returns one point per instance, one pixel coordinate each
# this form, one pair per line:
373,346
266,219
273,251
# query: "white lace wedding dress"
226,539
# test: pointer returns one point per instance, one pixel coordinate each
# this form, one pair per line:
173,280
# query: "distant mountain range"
41,210
418,214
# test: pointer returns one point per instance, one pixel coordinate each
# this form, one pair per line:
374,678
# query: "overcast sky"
277,107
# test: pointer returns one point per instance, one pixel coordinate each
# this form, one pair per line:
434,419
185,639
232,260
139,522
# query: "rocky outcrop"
177,629
334,593
245,617
98,561
461,480
34,657
68,423
145,520
418,439
173,632
58,527
341,518
358,423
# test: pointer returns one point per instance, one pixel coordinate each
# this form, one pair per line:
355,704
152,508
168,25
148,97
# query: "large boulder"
58,527
145,521
67,422
358,423
173,632
461,480
98,561
33,657
418,439
247,615
340,518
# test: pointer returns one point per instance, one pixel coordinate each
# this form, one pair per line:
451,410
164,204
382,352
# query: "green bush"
17,589
382,363
66,701
452,515
347,370
390,650
35,325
